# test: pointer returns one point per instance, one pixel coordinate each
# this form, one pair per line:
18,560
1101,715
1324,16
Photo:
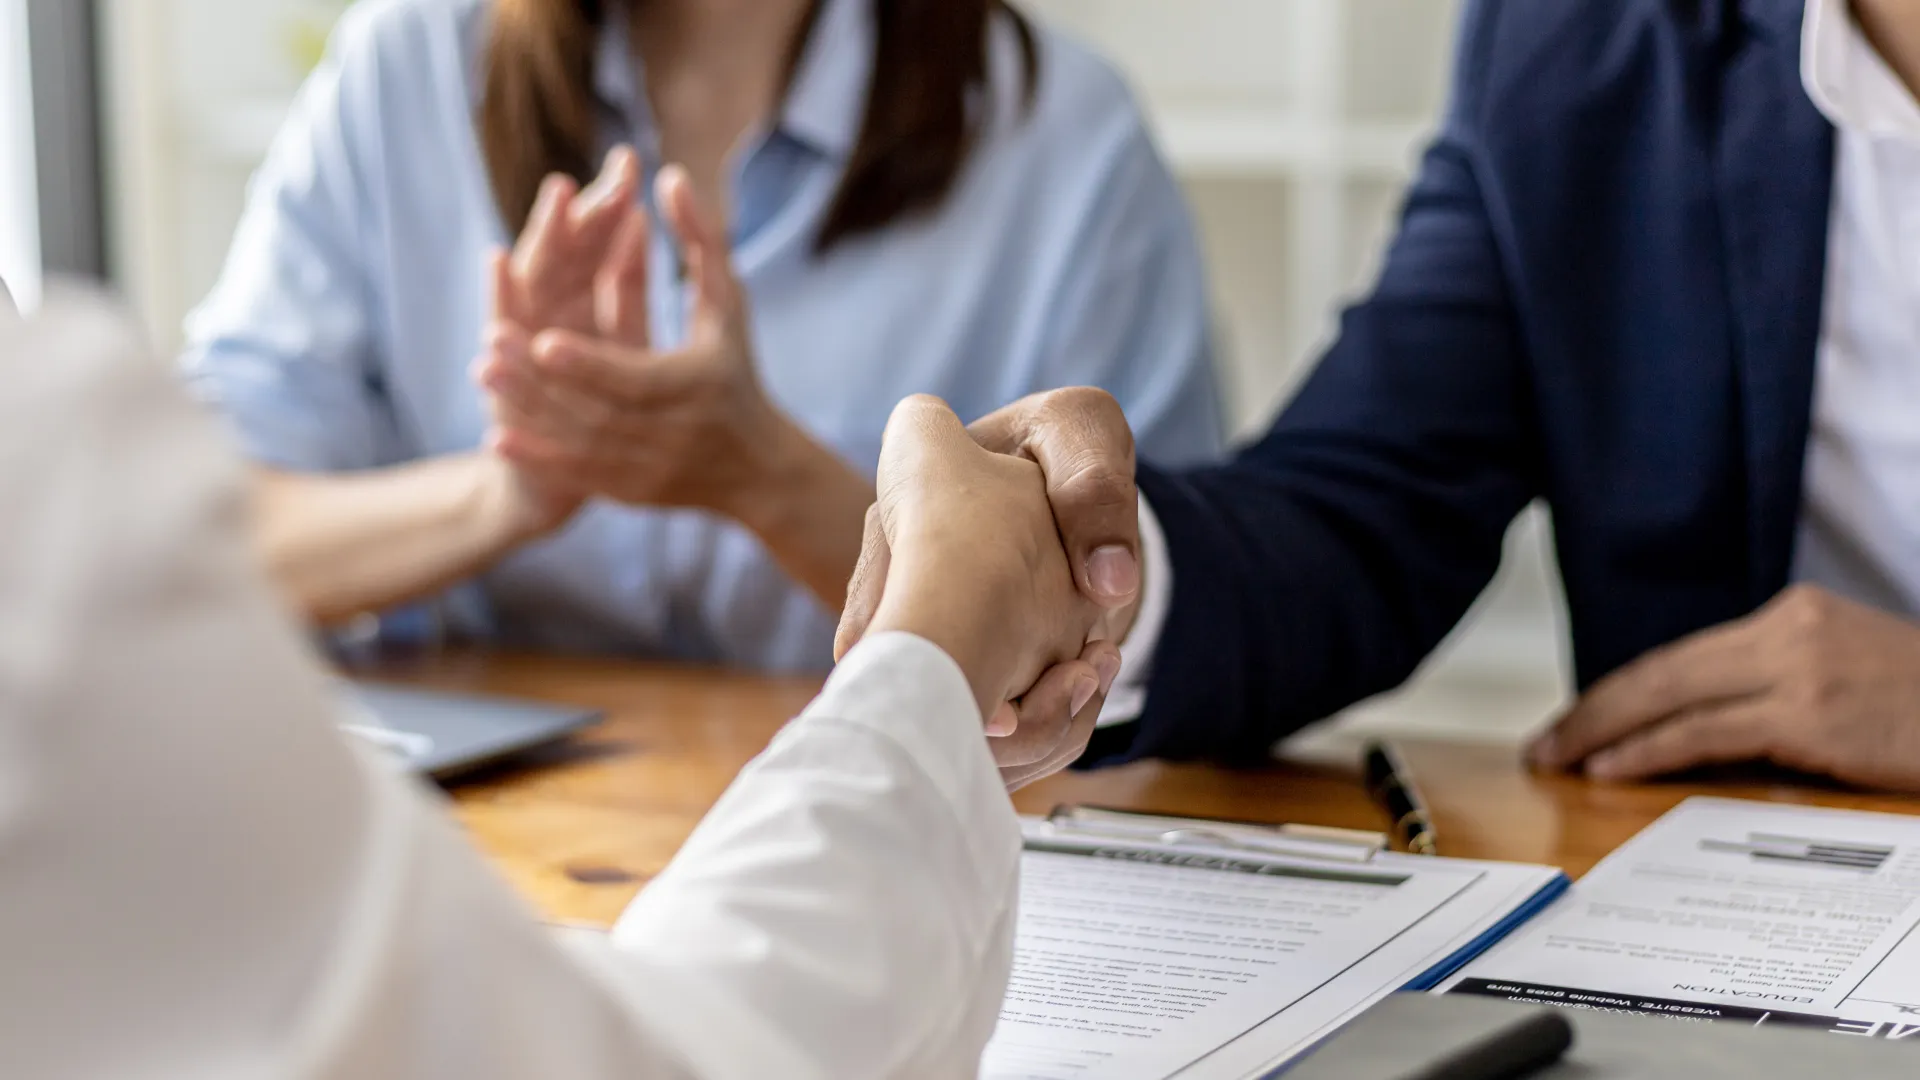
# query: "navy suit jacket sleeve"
1322,564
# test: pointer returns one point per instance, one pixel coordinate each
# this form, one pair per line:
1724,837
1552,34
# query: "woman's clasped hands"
583,403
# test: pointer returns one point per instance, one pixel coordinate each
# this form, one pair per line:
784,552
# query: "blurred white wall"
19,204
1293,123
195,91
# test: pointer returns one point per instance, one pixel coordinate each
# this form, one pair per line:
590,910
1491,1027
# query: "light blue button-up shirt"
341,332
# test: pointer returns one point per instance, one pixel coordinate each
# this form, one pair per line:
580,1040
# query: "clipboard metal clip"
1156,830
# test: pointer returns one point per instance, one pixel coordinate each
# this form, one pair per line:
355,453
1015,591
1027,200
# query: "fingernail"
599,196
1083,690
1604,767
549,348
1109,668
1004,722
1113,572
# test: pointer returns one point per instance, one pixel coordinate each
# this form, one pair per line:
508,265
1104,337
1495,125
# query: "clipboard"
1164,831
1220,950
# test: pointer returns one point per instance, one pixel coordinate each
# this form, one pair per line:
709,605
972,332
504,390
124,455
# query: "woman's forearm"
810,510
339,545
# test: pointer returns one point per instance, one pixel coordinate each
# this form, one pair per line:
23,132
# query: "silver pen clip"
1301,842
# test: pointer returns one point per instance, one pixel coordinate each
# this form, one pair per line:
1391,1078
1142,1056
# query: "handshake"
1013,546
1021,561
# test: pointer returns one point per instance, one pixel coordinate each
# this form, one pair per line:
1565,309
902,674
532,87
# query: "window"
19,203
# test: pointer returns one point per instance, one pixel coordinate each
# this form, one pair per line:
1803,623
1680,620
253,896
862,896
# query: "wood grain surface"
580,827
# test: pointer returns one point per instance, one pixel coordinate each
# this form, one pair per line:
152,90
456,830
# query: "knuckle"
1815,612
1812,671
1635,757
998,432
1659,680
913,408
1086,403
1802,608
854,613
1056,419
883,517
1089,417
1648,686
1047,721
1091,480
1785,745
1699,740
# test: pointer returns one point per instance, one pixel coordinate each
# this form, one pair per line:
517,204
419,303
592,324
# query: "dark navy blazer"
1605,293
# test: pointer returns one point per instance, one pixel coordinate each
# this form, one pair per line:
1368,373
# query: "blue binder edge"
1542,899
1515,919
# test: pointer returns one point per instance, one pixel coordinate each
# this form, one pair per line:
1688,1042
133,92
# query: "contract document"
1733,911
1137,961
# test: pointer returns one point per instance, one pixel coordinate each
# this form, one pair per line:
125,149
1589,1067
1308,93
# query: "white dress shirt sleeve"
199,877
1128,697
883,856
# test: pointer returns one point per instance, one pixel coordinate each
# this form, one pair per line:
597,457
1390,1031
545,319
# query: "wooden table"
579,829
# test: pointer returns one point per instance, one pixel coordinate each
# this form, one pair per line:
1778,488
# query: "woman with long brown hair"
667,443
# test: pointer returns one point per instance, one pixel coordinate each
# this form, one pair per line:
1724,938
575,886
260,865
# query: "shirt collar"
1848,81
825,105
616,69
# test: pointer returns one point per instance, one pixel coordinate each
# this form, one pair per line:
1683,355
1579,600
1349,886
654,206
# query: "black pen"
1524,1045
1390,786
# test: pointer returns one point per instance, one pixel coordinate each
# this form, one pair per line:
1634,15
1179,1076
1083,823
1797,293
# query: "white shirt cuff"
1128,698
908,689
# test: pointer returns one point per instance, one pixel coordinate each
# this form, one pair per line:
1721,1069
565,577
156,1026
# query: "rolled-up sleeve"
286,346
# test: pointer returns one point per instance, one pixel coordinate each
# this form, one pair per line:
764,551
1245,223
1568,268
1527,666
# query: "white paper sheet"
1735,911
1140,965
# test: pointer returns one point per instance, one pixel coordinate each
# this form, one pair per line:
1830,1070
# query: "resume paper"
1740,912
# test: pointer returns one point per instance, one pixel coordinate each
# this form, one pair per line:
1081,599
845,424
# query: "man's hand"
1810,682
963,551
1080,440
